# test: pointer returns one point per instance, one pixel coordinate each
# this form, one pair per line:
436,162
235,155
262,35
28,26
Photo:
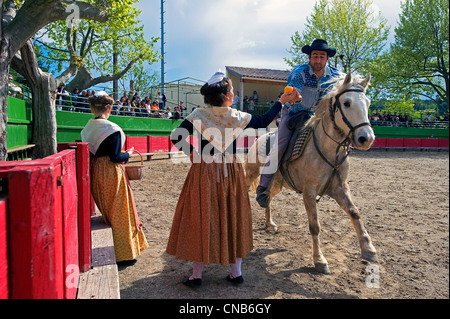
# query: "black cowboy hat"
320,45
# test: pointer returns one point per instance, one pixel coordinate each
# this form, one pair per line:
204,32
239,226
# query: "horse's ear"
365,82
348,78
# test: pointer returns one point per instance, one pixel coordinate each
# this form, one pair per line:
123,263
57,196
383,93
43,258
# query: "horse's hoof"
370,256
322,268
272,229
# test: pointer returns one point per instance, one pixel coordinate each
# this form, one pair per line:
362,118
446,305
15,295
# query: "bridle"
334,107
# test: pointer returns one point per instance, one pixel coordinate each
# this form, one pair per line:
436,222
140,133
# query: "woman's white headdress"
216,78
100,93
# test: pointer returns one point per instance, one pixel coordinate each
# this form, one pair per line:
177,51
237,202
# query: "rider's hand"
293,96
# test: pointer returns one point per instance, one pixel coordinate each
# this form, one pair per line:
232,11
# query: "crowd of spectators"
405,120
127,105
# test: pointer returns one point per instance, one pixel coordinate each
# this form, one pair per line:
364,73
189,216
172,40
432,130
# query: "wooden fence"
45,225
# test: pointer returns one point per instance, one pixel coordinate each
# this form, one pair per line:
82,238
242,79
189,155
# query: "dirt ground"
403,198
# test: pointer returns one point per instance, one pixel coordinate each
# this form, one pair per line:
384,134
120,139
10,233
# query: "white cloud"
203,36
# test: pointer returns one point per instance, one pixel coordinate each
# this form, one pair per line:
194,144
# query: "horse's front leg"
343,198
320,263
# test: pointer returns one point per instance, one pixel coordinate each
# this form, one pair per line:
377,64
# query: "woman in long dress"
213,220
109,184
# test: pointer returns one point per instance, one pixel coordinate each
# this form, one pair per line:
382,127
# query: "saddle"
300,136
299,140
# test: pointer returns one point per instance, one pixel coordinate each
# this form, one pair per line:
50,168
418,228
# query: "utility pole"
162,47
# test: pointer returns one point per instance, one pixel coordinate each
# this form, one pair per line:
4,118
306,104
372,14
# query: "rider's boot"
262,191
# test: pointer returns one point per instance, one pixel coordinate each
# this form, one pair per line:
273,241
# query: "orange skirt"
213,220
113,197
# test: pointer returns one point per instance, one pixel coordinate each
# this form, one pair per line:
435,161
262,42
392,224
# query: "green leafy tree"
109,50
19,21
417,64
351,26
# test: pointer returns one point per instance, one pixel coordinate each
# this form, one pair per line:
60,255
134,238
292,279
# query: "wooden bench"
19,153
150,155
102,280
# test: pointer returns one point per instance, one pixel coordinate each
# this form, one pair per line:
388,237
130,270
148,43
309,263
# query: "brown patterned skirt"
213,220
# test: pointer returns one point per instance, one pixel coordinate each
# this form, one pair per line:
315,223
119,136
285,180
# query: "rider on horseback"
312,81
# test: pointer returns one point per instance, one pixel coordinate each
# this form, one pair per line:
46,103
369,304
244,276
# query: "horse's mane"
337,87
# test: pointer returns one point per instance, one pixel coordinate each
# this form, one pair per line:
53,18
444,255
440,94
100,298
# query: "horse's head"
350,107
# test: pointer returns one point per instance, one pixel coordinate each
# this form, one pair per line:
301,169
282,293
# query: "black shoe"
125,263
237,280
262,196
192,282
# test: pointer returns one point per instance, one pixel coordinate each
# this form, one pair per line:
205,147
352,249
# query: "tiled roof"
266,74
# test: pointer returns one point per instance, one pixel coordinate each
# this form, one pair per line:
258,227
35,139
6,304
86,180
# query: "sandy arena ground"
404,201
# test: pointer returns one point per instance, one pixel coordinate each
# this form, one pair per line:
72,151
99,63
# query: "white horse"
341,118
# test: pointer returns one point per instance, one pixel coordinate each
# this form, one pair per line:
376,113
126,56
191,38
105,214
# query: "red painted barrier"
158,144
4,269
412,142
379,142
42,226
140,143
394,142
86,204
430,142
443,143
36,245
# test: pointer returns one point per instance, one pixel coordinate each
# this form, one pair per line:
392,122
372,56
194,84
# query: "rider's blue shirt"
310,87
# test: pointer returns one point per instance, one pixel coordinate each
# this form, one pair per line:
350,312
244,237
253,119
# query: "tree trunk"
16,28
4,71
43,88
82,80
44,116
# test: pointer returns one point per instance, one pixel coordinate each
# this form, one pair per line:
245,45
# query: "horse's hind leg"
343,198
270,225
320,263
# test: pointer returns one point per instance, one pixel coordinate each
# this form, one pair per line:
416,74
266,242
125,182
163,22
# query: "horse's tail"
255,184
255,159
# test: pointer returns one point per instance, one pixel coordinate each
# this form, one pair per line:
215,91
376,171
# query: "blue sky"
203,36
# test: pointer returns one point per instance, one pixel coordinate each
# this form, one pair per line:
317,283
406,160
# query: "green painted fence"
70,125
19,123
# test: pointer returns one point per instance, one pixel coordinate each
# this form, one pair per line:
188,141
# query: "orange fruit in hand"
288,89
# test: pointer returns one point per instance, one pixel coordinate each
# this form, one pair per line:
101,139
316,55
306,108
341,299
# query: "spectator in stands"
161,100
255,97
109,184
168,114
183,108
176,115
126,107
251,105
82,102
61,97
13,89
236,101
75,98
154,106
116,108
